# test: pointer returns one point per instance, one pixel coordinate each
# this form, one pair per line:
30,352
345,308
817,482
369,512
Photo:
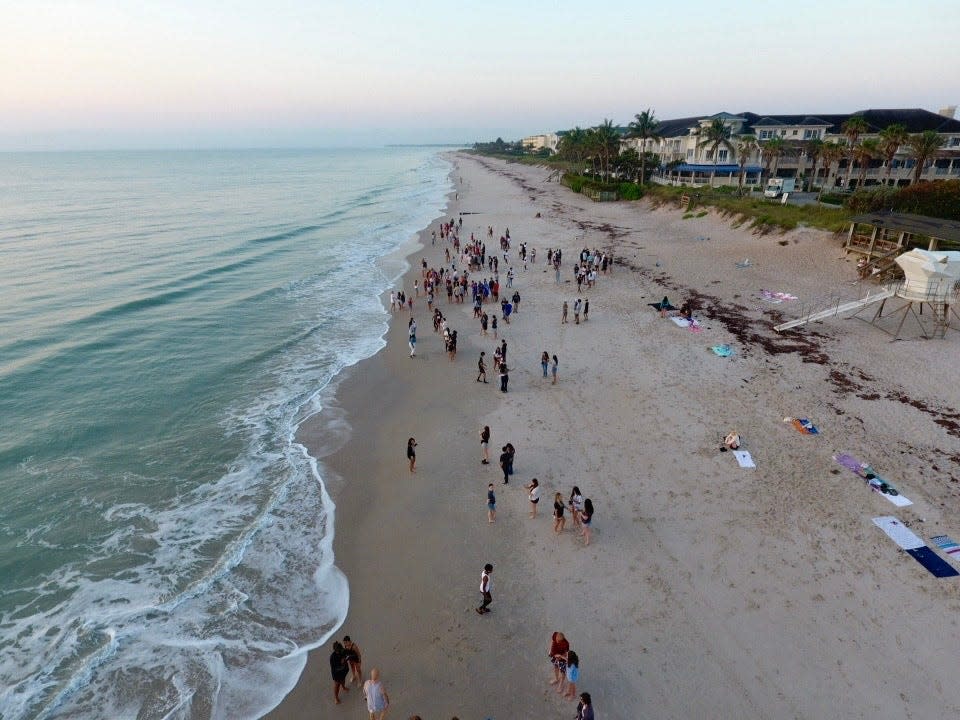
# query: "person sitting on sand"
731,441
686,312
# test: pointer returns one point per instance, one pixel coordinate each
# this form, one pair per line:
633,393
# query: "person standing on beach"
481,369
563,317
533,490
586,309
486,584
577,304
558,519
339,669
585,707
493,325
586,517
554,369
505,464
573,675
576,506
377,699
352,651
491,504
485,445
504,376
412,336
544,362
412,454
559,647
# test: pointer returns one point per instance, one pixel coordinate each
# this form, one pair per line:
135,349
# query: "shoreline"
700,573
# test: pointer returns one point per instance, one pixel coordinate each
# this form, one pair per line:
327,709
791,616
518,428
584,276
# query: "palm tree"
923,146
644,128
775,148
867,150
832,152
746,146
573,146
813,149
853,128
891,138
606,142
715,136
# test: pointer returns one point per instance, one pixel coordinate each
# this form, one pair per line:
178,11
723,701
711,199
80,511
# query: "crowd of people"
469,268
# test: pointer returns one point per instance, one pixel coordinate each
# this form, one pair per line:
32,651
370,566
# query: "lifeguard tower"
930,279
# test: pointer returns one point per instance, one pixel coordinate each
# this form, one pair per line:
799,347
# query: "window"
955,142
722,155
794,132
689,154
764,134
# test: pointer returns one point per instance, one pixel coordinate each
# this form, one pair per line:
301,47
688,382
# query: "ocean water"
167,322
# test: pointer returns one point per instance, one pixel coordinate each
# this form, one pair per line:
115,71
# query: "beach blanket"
695,326
870,477
657,306
680,322
776,297
914,546
744,459
803,425
744,264
947,545
722,350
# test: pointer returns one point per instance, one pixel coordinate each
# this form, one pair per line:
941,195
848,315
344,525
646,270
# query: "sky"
92,74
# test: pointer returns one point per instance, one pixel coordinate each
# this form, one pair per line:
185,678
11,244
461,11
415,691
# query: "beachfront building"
686,160
534,143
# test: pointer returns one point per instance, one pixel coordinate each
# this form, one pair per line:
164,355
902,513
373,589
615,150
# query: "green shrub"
702,213
629,191
870,199
834,198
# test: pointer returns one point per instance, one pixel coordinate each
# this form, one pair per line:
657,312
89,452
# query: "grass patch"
703,213
687,216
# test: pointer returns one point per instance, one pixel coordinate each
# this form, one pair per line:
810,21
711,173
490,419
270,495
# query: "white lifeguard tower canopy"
929,276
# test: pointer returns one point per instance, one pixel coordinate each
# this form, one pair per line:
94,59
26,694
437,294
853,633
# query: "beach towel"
776,297
803,425
870,477
722,350
744,459
914,546
744,264
695,326
680,322
947,545
657,306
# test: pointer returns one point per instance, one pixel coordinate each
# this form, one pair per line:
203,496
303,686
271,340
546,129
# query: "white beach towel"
898,532
743,458
898,500
680,322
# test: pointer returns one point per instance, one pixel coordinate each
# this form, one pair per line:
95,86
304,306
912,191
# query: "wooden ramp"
839,308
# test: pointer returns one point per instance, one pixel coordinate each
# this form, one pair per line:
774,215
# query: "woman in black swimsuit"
339,667
558,507
412,454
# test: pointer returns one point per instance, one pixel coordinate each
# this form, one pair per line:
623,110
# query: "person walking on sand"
377,699
533,490
573,675
481,369
586,517
544,362
493,325
353,659
412,454
485,445
339,669
576,507
491,504
558,507
577,304
563,317
586,309
504,376
486,585
553,369
412,336
559,647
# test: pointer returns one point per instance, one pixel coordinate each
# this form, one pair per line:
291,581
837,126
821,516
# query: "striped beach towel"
947,545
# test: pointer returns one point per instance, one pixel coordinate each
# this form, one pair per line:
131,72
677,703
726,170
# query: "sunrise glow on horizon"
123,74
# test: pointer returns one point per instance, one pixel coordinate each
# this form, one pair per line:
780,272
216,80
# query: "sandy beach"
709,590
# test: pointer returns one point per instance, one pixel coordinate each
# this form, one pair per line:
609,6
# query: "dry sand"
709,591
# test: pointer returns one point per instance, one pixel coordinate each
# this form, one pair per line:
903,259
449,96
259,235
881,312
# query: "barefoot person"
485,445
585,707
377,699
534,494
485,586
558,507
353,660
573,675
586,517
338,670
412,454
559,647
544,362
553,369
491,504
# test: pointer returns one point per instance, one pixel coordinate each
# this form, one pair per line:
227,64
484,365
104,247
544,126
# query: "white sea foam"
237,580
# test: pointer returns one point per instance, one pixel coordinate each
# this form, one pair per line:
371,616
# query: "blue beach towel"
722,350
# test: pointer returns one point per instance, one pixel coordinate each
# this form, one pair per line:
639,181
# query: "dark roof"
916,119
916,224
678,127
